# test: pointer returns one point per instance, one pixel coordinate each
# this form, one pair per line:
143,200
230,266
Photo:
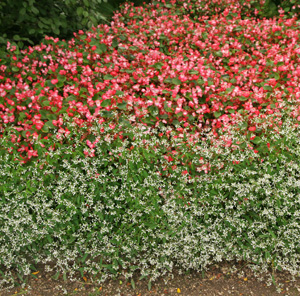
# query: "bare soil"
218,280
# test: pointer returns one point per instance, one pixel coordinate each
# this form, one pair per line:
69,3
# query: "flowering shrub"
173,70
162,140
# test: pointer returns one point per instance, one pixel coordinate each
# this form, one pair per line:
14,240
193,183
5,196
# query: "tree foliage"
27,22
290,8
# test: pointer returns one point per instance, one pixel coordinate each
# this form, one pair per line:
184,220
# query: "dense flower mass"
169,138
157,64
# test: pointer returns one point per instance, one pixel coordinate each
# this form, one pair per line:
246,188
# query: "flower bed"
162,140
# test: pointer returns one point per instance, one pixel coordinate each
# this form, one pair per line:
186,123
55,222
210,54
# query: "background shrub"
27,22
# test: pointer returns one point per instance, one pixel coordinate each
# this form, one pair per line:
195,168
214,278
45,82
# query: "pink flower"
252,128
32,153
54,81
39,125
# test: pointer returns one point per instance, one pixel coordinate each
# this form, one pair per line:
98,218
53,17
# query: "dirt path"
216,281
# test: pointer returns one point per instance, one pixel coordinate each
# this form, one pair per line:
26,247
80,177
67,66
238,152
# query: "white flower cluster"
104,216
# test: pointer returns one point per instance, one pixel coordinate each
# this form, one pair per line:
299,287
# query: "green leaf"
45,103
79,11
225,77
16,37
108,77
119,93
31,31
230,89
44,114
217,114
86,3
268,87
84,258
34,10
133,284
45,129
277,76
243,98
158,65
164,116
124,121
175,122
115,42
22,115
49,124
106,114
244,125
23,11
61,78
122,105
106,103
176,81
149,285
256,140
272,233
56,30
102,47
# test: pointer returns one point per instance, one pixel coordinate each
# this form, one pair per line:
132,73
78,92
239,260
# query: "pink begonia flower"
252,128
39,125
32,153
54,81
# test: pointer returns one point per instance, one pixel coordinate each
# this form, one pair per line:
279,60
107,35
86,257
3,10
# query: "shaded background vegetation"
27,22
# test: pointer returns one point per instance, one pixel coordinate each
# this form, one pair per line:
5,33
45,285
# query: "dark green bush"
27,22
290,8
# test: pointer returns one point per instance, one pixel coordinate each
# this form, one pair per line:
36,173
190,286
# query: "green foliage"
290,8
28,22
126,208
248,9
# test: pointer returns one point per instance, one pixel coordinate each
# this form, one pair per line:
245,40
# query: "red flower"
252,128
54,81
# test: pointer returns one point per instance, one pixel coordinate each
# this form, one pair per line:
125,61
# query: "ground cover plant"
169,138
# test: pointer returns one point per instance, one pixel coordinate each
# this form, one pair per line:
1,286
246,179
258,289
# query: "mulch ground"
216,281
